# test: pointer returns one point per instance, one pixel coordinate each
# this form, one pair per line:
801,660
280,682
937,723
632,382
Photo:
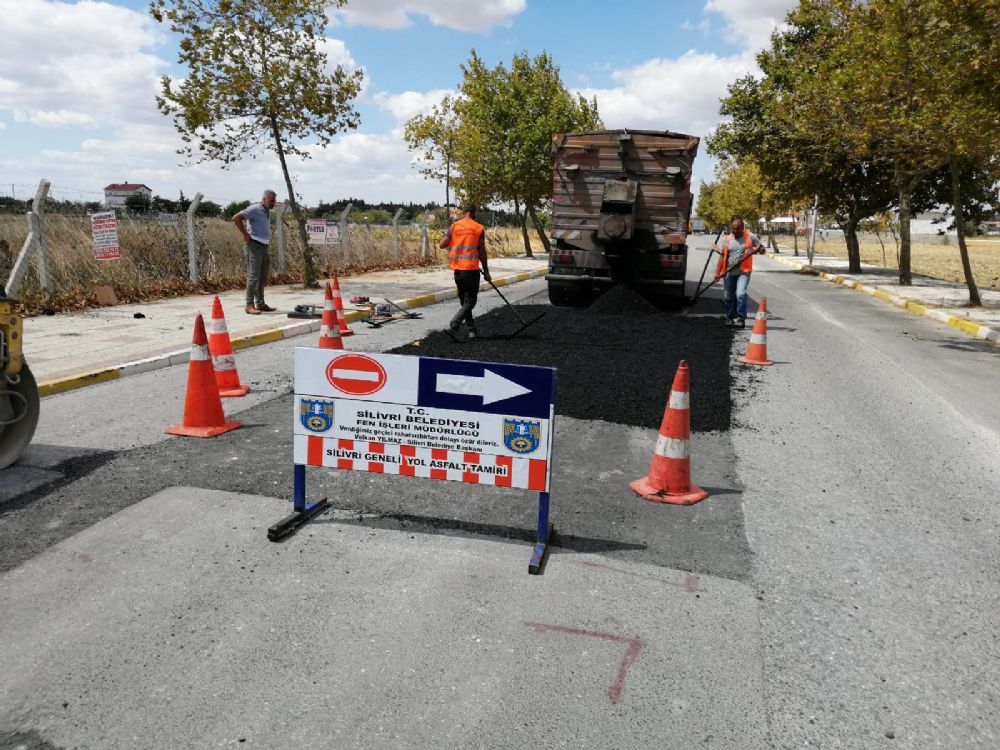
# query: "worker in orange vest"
466,245
736,265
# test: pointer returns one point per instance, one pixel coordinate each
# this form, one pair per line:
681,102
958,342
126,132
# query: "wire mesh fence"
154,256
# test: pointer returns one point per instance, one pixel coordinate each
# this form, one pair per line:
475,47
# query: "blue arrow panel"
541,381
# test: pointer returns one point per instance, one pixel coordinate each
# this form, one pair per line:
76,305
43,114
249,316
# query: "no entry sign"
356,374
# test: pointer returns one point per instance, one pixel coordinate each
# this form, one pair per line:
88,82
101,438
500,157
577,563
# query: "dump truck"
621,206
19,400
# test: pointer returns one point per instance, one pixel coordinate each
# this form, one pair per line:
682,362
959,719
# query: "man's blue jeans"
735,295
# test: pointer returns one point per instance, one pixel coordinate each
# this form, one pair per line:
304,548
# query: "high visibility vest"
463,248
747,265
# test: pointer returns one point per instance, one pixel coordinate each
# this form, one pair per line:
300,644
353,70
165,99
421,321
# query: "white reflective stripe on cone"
327,331
679,400
672,447
217,325
199,353
328,304
223,362
758,338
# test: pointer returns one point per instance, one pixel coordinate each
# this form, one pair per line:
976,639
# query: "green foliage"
434,137
208,208
234,208
257,78
137,203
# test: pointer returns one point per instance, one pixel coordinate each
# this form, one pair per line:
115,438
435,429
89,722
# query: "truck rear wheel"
19,408
570,295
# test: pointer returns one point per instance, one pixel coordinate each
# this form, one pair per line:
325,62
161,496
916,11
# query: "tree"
234,208
434,136
783,123
209,208
507,117
137,203
257,78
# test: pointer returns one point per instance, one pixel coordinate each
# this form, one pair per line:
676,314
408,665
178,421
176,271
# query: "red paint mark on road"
635,646
73,555
692,584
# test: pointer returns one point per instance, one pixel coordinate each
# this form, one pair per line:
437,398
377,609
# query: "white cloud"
679,94
751,20
456,14
409,103
337,54
82,64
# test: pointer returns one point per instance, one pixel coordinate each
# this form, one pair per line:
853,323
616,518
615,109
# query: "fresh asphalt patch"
616,359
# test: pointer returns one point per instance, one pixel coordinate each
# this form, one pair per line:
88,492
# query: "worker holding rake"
735,266
466,245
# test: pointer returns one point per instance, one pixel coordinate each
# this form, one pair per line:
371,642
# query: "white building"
116,194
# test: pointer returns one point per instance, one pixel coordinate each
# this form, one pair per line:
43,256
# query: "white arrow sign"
491,387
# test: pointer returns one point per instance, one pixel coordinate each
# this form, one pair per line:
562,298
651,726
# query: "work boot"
251,310
266,308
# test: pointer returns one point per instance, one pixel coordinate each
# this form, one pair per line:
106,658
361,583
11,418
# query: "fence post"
192,244
395,234
345,235
38,208
425,245
280,219
35,230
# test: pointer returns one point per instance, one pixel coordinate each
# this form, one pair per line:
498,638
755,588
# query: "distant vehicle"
621,207
697,225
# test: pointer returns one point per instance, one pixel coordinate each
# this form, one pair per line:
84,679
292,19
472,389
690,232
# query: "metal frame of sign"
460,420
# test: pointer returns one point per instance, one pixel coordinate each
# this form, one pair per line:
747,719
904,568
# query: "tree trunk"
538,226
795,232
853,246
963,251
522,219
905,275
308,263
447,183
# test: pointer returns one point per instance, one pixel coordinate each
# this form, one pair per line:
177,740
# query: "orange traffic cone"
329,331
203,415
338,300
223,359
669,479
757,350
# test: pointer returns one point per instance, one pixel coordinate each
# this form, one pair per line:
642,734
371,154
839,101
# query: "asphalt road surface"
837,588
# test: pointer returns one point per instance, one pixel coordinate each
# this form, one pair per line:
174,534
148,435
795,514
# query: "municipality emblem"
522,435
316,415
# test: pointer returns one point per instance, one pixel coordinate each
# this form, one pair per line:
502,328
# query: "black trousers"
467,283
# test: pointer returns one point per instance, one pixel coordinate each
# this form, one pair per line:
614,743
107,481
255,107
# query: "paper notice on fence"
322,231
104,226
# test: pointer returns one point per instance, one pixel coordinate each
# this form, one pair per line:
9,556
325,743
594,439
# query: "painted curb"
984,333
180,356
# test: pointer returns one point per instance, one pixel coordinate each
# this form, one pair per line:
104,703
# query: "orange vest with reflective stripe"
747,265
463,248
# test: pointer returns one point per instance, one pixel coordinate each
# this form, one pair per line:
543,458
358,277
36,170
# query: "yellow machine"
19,401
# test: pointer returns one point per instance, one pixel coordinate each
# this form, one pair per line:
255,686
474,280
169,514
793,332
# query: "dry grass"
155,257
938,260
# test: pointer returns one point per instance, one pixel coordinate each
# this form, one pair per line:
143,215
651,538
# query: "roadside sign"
322,231
456,420
104,227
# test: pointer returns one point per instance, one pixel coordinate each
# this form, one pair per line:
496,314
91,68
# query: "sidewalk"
944,301
73,350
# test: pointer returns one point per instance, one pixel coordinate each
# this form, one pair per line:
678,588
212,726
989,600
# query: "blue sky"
77,81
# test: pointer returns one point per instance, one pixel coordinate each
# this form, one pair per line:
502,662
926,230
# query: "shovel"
524,324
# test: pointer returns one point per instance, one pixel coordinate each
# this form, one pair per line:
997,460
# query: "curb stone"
984,333
180,356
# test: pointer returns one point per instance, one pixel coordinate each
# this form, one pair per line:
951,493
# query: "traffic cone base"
203,432
645,489
242,390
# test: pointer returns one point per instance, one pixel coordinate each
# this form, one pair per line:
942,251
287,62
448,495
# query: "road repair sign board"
104,226
459,420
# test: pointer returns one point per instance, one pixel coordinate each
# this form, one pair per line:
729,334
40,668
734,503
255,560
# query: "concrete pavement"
73,350
347,635
940,300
